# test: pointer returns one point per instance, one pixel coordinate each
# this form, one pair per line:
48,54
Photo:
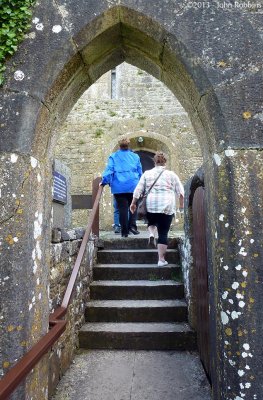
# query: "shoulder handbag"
141,207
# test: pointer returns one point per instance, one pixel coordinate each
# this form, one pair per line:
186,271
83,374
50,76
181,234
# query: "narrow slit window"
113,84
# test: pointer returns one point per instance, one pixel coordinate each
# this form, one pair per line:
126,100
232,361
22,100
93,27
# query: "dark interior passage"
146,159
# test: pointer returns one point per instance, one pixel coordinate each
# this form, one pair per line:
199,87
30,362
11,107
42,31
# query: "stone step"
132,242
135,256
136,311
136,290
136,271
137,336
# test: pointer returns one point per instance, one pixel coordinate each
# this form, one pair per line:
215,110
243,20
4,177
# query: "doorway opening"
146,158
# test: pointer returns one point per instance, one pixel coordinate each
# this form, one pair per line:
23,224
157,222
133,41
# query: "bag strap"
146,194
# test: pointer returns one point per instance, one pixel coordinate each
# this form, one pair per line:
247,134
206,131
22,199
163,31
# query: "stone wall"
64,250
142,106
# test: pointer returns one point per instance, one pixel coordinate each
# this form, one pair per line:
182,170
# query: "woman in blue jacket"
122,173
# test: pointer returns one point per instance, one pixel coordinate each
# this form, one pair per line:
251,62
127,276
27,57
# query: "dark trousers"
127,219
163,223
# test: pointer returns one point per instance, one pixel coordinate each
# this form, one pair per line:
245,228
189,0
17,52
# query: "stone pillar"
24,253
235,192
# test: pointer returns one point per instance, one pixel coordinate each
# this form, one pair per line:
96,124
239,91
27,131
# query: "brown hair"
124,143
160,158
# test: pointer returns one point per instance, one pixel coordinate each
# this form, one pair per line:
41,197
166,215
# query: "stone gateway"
211,59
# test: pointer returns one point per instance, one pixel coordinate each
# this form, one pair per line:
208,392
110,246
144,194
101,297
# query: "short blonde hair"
124,143
160,158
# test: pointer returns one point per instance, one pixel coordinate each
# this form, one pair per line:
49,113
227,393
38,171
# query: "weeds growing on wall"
98,133
15,16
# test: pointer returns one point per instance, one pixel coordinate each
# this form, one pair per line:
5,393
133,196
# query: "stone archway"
209,71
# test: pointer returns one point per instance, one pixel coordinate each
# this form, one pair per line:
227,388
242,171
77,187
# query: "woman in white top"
160,202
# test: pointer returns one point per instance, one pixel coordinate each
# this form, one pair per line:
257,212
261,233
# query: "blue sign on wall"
59,188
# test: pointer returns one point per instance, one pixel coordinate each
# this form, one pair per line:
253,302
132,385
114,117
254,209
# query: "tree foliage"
15,16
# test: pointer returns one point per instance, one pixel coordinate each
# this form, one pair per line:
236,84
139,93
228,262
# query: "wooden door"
201,276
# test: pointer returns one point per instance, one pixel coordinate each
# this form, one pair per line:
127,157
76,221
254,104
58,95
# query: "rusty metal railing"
21,369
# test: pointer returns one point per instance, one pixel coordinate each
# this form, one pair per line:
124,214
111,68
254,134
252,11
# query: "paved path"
134,375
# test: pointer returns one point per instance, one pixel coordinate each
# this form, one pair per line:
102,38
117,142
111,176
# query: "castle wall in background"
125,101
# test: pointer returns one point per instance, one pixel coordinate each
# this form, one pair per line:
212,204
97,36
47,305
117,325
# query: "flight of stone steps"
134,304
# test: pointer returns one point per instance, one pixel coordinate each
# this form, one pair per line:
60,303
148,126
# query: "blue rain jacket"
122,172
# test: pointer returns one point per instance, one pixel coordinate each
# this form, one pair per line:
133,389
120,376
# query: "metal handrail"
57,326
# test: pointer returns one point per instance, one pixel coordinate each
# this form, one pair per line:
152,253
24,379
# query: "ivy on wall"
15,17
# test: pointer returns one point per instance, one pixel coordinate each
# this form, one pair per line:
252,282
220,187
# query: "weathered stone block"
48,33
23,275
234,217
79,233
61,268
54,371
65,235
56,249
74,247
15,120
56,235
72,234
242,110
85,26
